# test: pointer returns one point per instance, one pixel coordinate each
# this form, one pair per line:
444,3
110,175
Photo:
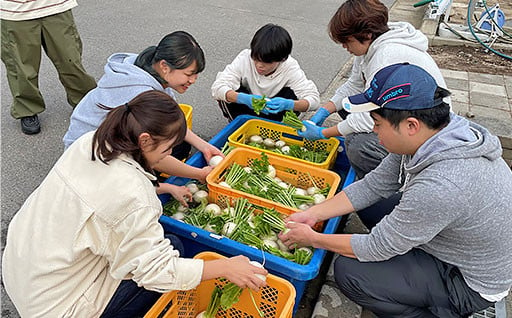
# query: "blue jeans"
130,300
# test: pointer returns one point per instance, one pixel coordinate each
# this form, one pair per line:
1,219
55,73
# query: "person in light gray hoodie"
362,28
171,66
441,248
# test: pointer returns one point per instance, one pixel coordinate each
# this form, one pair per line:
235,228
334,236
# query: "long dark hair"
153,112
360,19
178,49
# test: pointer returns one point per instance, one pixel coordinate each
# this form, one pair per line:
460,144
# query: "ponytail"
152,112
145,61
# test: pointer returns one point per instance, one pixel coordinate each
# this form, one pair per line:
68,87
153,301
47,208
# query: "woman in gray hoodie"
171,66
444,249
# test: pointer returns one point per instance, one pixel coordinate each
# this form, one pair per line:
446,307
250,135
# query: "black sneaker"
30,125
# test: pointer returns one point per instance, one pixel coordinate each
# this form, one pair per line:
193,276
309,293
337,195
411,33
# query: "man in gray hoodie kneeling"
438,207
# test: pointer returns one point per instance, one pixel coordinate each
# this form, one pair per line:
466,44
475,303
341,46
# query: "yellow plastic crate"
296,173
287,134
187,111
275,300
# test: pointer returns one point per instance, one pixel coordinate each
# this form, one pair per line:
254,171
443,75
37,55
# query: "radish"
271,171
270,243
283,185
319,198
269,143
182,208
213,209
300,191
229,211
282,246
224,184
228,228
312,190
200,196
260,276
178,216
303,206
215,160
280,144
192,187
256,139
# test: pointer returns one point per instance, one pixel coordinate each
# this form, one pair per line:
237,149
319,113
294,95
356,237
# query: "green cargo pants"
21,54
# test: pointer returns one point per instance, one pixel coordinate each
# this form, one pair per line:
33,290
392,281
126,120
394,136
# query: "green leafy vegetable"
291,119
258,104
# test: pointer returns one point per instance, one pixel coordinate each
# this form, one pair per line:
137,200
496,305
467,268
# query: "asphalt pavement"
223,28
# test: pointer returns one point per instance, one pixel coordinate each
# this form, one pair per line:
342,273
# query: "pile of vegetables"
293,150
259,179
243,222
281,147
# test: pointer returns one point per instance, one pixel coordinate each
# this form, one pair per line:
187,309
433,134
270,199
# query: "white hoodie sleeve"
230,78
356,122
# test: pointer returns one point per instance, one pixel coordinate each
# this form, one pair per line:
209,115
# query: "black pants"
181,151
364,152
415,284
232,110
132,301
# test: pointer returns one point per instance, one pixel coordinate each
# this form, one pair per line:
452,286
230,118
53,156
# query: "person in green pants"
26,27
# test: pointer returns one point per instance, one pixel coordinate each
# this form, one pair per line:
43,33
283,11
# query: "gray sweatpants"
364,152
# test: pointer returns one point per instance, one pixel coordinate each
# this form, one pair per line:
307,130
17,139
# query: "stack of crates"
297,172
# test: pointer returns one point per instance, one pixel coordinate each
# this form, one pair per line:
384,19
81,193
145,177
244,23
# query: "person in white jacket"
87,242
267,69
362,28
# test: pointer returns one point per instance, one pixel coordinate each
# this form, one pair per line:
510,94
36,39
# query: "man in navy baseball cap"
398,86
437,207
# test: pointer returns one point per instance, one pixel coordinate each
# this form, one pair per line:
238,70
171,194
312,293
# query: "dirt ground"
471,59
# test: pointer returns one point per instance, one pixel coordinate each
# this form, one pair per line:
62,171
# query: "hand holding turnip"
180,193
242,273
209,151
297,235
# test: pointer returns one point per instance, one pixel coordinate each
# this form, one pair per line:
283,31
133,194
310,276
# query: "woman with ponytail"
87,242
171,66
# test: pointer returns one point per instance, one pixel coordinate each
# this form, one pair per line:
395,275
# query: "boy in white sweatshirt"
267,69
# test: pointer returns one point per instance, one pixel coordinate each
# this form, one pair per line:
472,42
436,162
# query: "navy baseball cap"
398,86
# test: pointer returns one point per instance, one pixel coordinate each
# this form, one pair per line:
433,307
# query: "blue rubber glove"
279,104
313,132
246,99
319,117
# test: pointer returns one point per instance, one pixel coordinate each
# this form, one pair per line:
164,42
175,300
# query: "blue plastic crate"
197,240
